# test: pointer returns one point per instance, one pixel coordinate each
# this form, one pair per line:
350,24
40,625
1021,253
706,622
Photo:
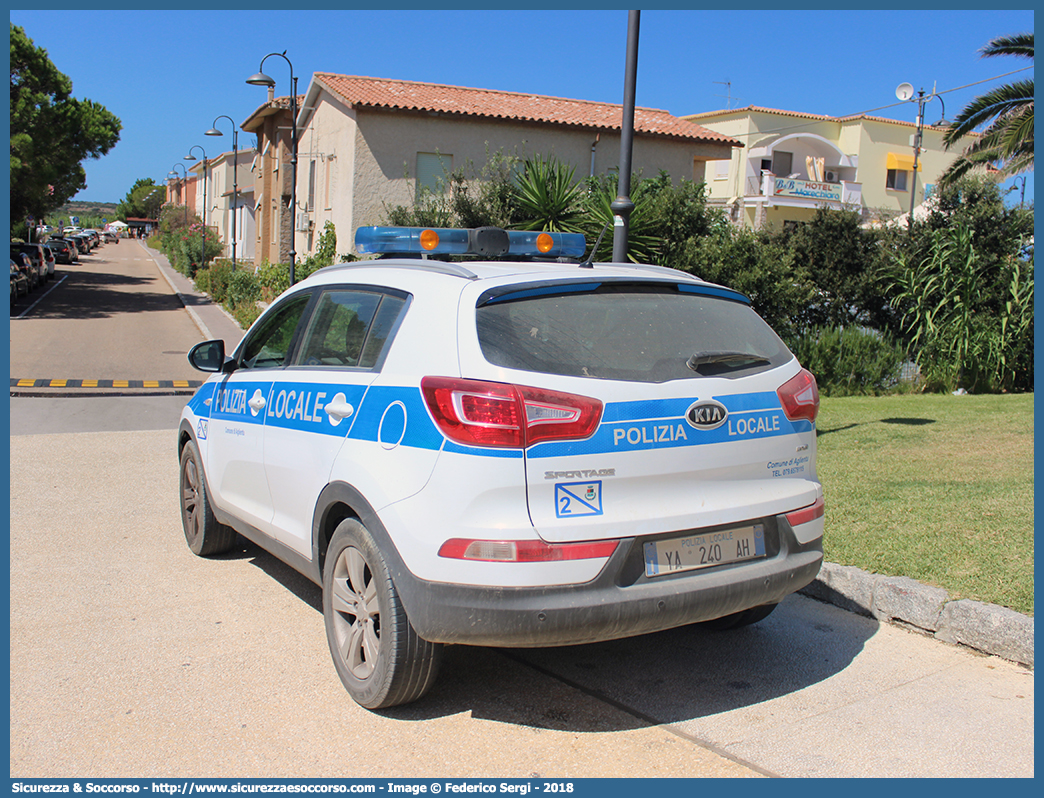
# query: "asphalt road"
130,657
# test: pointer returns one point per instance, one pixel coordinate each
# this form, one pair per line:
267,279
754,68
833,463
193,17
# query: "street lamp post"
191,157
261,79
1022,196
147,206
904,91
235,178
184,176
622,206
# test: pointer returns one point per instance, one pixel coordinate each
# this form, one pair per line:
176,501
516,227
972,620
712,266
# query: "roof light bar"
484,241
549,245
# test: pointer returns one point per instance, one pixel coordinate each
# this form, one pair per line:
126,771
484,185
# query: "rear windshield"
636,332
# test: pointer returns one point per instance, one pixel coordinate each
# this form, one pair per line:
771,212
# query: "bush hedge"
851,361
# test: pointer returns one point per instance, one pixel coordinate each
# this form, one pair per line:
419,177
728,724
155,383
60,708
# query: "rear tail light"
806,514
499,414
524,550
799,397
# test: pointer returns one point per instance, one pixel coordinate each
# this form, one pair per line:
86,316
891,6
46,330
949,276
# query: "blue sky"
168,74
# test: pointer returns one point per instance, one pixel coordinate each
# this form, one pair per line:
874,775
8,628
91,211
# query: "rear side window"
350,328
653,332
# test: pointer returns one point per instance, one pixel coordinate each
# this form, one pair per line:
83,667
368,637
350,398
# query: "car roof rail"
665,271
436,266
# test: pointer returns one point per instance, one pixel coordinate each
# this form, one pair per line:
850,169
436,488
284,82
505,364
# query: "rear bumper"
620,602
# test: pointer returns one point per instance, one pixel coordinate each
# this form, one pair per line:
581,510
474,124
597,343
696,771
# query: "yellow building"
792,163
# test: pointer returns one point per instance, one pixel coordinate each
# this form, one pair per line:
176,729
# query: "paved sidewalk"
212,319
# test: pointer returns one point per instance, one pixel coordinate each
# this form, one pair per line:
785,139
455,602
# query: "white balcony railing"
787,190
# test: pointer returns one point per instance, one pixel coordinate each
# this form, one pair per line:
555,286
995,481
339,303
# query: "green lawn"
936,488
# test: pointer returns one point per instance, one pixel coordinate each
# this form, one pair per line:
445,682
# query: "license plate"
704,550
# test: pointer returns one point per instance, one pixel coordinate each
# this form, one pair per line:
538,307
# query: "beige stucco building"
227,190
221,188
369,144
792,163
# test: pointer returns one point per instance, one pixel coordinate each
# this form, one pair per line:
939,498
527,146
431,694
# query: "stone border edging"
988,628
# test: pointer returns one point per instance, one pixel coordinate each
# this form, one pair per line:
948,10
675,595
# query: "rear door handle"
338,408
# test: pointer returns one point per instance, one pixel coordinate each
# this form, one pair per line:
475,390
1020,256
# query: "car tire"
743,618
204,535
381,660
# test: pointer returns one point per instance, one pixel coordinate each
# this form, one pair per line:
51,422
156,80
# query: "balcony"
786,191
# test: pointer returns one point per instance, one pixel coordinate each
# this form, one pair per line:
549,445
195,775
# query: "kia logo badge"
707,415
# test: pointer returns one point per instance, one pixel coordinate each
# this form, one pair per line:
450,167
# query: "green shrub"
202,280
243,289
850,361
273,279
220,274
186,248
246,314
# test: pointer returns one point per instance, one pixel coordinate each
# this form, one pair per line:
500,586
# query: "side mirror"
209,356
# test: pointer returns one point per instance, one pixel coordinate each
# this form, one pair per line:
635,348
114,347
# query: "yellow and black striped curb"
52,383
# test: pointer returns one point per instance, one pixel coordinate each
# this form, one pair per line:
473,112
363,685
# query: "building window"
721,170
896,180
311,185
433,171
782,163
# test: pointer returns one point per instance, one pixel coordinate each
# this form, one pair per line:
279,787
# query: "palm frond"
1019,44
996,102
1007,114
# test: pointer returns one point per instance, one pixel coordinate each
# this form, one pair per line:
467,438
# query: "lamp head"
189,157
213,132
261,79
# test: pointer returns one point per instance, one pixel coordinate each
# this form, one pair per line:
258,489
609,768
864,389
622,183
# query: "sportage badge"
706,415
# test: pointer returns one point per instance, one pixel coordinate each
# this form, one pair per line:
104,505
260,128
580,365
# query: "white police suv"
518,450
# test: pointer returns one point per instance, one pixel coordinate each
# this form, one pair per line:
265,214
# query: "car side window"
269,345
349,328
385,322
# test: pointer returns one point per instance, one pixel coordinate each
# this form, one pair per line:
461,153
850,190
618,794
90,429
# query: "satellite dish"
904,91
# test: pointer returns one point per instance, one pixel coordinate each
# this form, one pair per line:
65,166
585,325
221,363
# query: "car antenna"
589,263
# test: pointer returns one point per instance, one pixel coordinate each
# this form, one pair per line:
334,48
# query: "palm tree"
1007,140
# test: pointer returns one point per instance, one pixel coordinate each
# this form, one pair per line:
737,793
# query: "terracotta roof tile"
710,115
363,92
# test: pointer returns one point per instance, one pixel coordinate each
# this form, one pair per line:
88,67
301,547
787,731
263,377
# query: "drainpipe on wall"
593,145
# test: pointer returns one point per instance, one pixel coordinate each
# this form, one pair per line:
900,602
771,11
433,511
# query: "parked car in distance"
37,258
19,282
51,260
519,450
83,245
64,251
25,265
111,237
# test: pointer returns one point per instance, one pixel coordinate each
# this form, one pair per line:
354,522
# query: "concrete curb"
897,599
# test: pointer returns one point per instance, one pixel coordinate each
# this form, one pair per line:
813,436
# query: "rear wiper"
736,359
